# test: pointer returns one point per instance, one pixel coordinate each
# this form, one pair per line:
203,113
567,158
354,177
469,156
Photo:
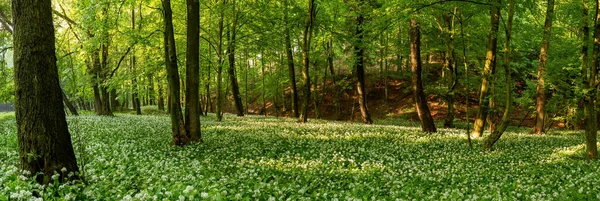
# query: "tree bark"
44,140
488,71
427,124
290,61
307,37
497,133
540,99
180,136
192,75
359,51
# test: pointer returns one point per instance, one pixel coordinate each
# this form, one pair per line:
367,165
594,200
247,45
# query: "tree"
450,68
497,133
359,54
427,124
540,100
180,136
489,69
290,59
220,66
235,89
589,85
192,91
44,139
306,39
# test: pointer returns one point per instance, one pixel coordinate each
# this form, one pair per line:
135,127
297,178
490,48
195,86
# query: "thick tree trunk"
359,51
488,71
290,61
427,124
497,133
44,140
180,136
540,99
307,37
192,75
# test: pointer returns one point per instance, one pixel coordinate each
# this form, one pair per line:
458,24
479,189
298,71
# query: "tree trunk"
290,61
180,136
235,88
427,124
44,140
449,66
68,103
591,126
488,71
114,102
497,133
134,95
359,51
540,99
161,100
307,37
219,112
192,69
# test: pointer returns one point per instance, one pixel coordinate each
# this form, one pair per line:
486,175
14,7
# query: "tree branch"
6,22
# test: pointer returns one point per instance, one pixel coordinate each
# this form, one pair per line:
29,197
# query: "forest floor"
131,157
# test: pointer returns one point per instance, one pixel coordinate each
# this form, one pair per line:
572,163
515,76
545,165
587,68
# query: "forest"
299,100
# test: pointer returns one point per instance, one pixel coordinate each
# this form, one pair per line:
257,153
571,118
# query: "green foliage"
130,157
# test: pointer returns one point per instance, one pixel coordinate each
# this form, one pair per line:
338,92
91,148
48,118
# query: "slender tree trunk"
220,69
161,100
467,93
235,88
450,67
540,99
330,55
308,31
264,91
427,124
497,133
489,69
134,95
192,69
68,103
180,136
290,61
44,140
591,126
359,51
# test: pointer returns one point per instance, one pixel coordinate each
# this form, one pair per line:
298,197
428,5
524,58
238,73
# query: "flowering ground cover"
130,157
